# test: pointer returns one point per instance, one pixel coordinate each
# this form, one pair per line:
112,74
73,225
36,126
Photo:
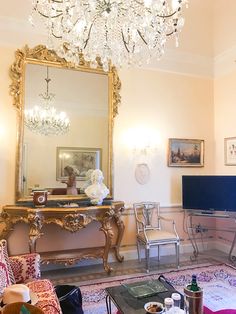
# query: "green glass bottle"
194,286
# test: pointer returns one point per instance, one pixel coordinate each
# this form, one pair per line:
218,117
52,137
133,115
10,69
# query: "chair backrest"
147,213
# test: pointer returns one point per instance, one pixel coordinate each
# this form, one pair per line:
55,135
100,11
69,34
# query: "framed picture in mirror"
185,153
80,159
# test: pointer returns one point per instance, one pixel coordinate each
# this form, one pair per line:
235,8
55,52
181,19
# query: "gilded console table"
71,219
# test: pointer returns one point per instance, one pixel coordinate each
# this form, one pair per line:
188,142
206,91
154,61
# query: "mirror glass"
84,98
89,97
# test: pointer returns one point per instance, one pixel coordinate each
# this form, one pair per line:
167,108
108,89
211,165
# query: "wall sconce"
143,142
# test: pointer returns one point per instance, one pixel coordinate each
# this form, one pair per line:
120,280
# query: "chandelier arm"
125,43
167,16
141,36
171,33
47,16
161,16
56,36
88,37
90,29
60,37
58,1
60,12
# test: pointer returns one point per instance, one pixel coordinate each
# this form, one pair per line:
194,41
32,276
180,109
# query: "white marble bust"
97,191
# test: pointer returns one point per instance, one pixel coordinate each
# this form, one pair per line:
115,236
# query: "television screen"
209,192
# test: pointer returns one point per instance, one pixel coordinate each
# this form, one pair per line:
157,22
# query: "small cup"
154,307
40,198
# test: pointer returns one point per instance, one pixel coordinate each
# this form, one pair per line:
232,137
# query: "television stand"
193,229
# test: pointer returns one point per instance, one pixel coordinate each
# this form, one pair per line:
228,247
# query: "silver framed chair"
154,230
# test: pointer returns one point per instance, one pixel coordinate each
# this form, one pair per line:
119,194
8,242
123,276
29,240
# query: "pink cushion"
4,276
3,249
25,267
45,292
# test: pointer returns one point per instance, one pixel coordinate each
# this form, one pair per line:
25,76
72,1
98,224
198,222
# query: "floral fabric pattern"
3,249
45,292
25,267
5,279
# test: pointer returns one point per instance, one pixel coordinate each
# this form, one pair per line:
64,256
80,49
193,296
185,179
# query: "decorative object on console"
81,159
123,32
97,191
230,151
40,198
185,153
43,119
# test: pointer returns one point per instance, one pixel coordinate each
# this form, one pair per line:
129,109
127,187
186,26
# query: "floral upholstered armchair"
25,269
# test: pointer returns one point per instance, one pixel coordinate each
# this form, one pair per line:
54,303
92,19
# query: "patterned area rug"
210,278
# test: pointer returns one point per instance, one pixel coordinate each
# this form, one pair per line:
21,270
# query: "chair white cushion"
157,236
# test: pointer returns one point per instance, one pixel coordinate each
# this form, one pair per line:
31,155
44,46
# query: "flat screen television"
209,193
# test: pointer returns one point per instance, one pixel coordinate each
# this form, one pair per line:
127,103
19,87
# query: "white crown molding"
224,63
180,62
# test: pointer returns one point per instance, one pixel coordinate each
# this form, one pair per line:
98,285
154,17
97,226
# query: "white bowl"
152,307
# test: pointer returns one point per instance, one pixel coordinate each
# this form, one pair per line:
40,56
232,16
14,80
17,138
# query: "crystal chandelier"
44,119
125,32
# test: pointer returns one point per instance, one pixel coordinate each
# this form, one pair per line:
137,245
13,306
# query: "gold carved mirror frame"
40,55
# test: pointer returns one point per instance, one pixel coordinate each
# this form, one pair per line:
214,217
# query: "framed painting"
230,151
185,153
80,158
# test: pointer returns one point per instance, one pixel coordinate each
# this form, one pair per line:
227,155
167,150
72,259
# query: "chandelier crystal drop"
125,32
44,119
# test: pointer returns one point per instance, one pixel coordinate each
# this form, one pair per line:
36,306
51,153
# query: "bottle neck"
194,286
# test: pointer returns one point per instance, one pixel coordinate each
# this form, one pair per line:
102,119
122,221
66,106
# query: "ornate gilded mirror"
90,98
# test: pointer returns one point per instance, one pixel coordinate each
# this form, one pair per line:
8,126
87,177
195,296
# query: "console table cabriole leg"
121,229
35,226
107,229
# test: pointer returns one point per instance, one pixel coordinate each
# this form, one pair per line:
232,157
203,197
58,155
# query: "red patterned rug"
218,283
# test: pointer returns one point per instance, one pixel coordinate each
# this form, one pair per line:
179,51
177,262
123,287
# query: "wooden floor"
96,273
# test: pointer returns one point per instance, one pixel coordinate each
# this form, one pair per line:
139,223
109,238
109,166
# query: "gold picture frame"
185,152
80,158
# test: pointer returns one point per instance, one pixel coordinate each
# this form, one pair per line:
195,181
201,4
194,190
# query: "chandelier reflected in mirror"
125,32
44,118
